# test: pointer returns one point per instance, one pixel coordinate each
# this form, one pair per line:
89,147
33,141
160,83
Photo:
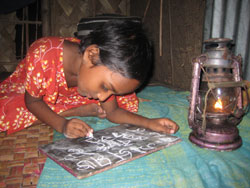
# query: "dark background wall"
182,28
176,42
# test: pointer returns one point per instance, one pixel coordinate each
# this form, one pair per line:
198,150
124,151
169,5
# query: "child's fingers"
101,113
172,126
169,125
75,133
78,128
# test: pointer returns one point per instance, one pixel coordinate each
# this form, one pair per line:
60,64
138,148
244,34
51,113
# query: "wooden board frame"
108,148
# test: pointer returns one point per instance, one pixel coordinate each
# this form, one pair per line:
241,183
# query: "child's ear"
91,54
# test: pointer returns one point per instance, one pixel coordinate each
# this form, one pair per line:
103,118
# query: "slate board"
111,147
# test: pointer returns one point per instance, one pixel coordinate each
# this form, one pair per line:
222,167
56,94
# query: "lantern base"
222,140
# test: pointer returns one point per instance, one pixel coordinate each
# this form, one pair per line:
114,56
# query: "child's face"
99,82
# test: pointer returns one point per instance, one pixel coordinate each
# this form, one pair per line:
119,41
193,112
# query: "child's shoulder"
53,41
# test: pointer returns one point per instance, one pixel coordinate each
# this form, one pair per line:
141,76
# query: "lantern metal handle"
194,88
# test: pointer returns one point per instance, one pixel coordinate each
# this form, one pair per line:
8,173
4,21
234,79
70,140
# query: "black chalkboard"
107,149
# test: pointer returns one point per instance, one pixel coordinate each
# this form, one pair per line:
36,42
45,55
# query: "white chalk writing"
109,148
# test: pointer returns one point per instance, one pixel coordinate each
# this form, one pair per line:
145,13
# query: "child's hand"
164,125
77,128
91,110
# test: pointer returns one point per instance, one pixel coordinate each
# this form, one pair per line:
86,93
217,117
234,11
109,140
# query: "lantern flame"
218,104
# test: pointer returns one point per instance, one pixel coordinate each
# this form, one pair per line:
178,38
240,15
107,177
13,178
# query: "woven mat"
20,161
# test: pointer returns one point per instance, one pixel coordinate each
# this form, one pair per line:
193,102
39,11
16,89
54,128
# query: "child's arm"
119,116
72,128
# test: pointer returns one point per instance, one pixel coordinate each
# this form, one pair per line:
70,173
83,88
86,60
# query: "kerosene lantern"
216,104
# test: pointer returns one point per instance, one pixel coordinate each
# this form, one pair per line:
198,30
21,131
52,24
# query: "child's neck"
71,62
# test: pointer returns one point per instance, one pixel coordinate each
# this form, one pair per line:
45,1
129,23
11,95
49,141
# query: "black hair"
124,48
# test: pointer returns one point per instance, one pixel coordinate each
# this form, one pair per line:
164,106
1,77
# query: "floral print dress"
41,73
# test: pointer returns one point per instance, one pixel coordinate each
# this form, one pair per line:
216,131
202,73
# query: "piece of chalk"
90,135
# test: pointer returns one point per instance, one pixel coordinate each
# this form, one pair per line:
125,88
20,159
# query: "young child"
60,77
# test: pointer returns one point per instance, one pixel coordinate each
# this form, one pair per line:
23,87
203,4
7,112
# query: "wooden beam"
45,18
21,21
160,29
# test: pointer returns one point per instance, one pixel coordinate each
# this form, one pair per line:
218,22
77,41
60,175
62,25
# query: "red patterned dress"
41,73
